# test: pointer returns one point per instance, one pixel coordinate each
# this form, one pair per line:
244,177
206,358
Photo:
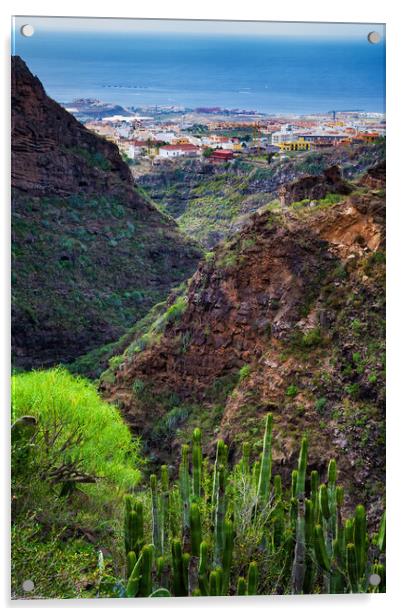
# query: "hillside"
211,201
91,254
285,316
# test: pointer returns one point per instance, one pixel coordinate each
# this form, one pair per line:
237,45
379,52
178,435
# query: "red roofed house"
221,155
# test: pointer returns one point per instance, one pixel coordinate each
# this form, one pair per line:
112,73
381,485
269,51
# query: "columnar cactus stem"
381,540
220,462
220,512
197,463
241,586
164,508
294,483
320,548
256,474
184,480
214,583
134,579
179,586
145,584
314,494
186,564
202,569
252,579
360,540
299,563
128,505
227,555
156,526
351,564
266,464
195,529
309,574
332,504
278,516
131,560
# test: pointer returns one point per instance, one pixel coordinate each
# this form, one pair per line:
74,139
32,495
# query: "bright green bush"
75,425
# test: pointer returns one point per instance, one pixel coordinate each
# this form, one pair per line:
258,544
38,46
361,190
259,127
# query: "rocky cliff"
210,201
286,316
90,253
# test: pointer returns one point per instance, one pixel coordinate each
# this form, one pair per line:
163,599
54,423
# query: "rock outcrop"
91,254
286,316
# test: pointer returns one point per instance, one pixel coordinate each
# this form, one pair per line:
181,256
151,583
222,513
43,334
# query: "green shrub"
320,404
74,427
244,372
292,391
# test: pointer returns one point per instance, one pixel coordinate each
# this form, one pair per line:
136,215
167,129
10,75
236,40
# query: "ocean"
266,74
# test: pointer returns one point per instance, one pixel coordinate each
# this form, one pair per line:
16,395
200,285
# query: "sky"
295,29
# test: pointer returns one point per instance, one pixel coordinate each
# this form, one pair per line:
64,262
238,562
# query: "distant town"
155,135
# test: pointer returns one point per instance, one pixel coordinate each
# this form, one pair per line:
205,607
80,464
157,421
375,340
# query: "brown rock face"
316,187
51,150
91,255
285,317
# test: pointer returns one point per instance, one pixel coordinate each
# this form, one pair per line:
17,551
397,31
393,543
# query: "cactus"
306,537
214,583
133,526
314,494
179,586
299,562
145,583
220,462
131,560
195,529
252,579
241,586
184,481
382,534
266,464
164,508
156,526
332,503
197,463
128,506
227,555
186,563
351,565
202,569
162,571
220,512
310,569
278,514
320,548
360,540
134,579
256,474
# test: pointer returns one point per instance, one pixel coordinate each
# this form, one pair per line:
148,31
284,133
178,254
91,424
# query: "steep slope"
91,254
210,201
287,316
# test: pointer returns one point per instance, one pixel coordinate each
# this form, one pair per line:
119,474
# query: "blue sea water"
268,74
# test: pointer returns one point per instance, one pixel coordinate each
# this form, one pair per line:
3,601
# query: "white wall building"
285,134
182,149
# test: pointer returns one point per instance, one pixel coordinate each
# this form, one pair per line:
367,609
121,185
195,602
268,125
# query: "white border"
295,10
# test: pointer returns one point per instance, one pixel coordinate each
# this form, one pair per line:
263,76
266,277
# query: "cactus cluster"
195,524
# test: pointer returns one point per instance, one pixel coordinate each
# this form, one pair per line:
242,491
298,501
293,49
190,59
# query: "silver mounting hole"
374,579
27,30
373,37
28,585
